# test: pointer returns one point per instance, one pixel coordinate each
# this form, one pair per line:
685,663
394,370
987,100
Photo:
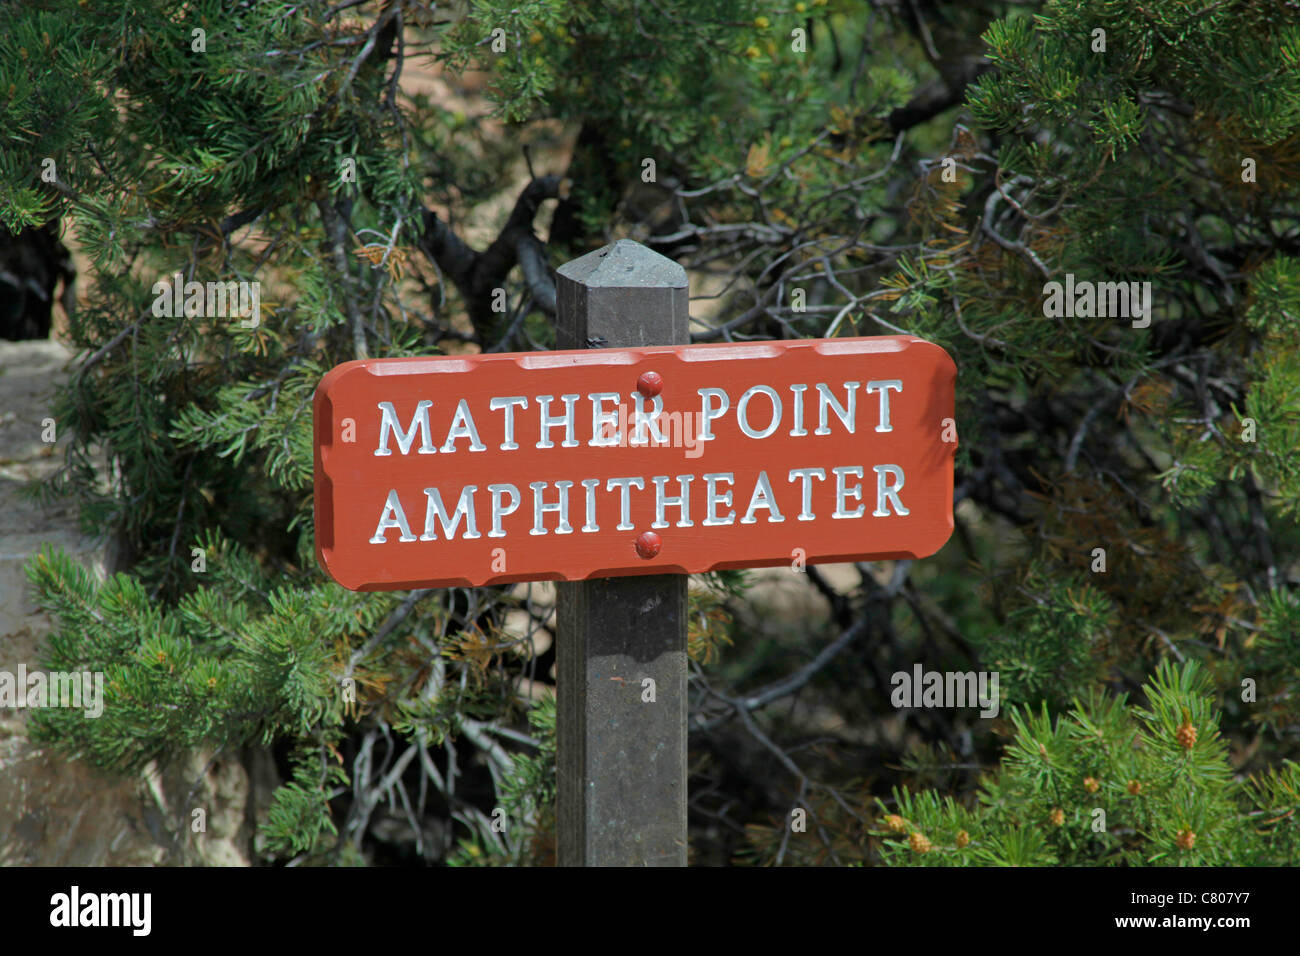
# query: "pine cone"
1057,816
896,823
918,842
1134,788
963,839
1186,735
1186,839
1091,784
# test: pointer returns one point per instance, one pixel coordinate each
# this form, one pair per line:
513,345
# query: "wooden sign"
437,472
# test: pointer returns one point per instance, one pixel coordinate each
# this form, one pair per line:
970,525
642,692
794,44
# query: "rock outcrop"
56,811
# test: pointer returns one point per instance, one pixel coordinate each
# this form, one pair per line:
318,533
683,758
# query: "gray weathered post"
621,762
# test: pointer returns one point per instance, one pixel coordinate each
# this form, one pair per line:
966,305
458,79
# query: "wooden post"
621,761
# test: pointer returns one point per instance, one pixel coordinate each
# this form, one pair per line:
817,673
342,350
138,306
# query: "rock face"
55,811
32,264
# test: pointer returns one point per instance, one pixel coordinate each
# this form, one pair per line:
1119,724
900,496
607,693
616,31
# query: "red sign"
436,472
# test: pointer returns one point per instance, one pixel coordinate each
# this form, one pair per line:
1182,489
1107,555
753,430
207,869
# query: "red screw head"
650,384
648,544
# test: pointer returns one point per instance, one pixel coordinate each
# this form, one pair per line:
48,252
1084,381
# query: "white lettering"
762,498
842,491
625,524
798,431
591,484
498,492
462,426
604,425
549,421
561,506
826,402
709,413
393,507
389,423
743,404
883,388
434,508
640,420
888,492
807,474
508,403
682,501
712,499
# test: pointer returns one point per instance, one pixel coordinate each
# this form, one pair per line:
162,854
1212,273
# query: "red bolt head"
648,544
650,384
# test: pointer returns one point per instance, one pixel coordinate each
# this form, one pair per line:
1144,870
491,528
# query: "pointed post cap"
624,264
